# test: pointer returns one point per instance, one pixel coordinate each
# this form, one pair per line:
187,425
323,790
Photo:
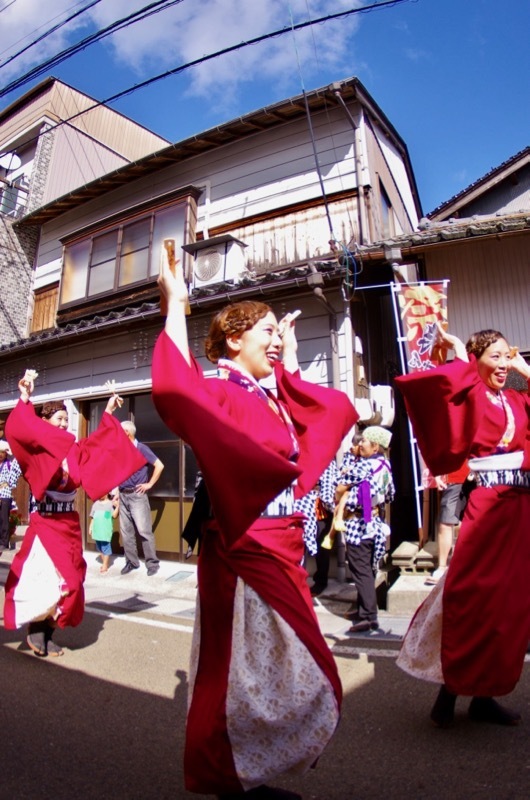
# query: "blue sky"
451,75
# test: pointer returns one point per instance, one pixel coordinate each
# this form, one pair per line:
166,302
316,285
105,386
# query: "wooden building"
277,205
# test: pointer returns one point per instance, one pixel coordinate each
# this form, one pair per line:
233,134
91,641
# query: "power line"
136,16
48,32
248,43
224,51
7,5
34,31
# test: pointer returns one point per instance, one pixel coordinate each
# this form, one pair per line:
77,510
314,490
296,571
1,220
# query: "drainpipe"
357,157
316,281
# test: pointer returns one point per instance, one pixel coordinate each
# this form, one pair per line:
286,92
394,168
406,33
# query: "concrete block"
406,594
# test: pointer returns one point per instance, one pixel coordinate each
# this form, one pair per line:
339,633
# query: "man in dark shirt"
135,511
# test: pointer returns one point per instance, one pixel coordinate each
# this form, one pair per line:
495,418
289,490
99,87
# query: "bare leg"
445,543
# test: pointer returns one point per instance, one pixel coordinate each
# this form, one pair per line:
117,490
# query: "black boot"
36,637
486,709
443,710
52,648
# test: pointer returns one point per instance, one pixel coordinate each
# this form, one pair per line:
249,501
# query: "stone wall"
18,247
39,172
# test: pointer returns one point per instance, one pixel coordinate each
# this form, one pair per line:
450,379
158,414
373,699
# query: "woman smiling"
472,632
264,689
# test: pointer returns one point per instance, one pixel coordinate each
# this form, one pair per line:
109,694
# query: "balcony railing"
13,197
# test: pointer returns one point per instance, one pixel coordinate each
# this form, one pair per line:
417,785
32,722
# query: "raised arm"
451,342
26,385
174,289
289,342
518,364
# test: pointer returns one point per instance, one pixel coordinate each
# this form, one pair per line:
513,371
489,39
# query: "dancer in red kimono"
45,583
472,632
264,693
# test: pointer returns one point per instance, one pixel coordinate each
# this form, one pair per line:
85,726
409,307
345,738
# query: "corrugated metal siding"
59,102
490,286
119,133
25,118
77,159
298,236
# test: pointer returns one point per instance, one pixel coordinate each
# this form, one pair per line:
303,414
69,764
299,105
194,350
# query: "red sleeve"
242,475
39,447
107,457
444,406
322,417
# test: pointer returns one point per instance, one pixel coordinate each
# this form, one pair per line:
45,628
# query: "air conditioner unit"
217,260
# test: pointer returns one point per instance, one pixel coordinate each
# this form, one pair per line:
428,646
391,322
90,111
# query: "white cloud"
191,30
415,54
26,20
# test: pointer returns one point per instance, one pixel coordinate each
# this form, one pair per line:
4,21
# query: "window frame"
185,199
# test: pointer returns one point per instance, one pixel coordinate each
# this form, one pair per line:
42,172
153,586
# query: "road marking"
339,650
153,623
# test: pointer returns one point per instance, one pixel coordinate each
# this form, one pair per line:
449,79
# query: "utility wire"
7,6
311,131
136,16
11,45
48,32
249,42
232,48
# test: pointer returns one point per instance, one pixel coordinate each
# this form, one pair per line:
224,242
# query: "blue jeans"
135,517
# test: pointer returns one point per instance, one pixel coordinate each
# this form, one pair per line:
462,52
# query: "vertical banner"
421,307
418,308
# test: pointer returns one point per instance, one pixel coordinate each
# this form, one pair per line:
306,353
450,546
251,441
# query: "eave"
264,119
270,285
438,234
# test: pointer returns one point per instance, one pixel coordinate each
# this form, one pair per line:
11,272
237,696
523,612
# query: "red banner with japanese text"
421,307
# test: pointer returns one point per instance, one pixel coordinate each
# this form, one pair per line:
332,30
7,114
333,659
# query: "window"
125,255
387,214
174,454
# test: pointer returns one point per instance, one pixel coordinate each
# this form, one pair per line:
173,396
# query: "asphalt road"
107,721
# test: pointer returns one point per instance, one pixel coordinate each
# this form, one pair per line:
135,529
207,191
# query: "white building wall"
254,176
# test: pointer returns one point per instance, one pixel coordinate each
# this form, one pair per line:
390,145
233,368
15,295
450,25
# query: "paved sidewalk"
168,598
171,594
